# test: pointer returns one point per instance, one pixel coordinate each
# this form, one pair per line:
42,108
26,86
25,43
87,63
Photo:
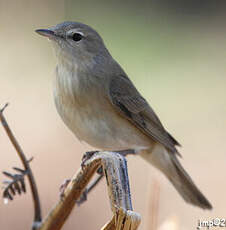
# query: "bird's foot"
86,157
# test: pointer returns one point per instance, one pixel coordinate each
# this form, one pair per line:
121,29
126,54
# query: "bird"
101,106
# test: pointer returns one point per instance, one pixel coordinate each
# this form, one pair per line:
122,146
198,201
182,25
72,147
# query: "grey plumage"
100,105
134,107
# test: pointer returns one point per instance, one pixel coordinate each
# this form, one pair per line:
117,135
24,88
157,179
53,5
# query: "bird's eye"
77,37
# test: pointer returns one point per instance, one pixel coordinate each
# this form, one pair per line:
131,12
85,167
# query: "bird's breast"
79,104
88,113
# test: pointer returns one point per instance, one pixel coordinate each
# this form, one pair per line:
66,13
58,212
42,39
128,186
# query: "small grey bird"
101,106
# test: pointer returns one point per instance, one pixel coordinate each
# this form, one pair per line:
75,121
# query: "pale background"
174,53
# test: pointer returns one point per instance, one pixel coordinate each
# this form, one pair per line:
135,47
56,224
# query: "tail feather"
186,187
169,164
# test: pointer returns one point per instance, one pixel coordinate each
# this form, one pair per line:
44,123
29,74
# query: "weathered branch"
25,162
115,170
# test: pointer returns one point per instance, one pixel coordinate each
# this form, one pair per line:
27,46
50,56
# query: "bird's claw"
86,157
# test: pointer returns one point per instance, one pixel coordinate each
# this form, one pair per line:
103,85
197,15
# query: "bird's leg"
126,152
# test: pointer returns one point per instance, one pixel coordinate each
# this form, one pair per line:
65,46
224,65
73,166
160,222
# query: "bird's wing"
130,104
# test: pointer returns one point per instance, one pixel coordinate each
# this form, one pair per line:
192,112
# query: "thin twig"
25,162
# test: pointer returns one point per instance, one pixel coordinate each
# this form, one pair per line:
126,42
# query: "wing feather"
130,104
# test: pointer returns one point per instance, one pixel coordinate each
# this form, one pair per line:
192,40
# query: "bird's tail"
169,164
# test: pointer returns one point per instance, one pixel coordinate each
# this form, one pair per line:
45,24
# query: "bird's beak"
47,33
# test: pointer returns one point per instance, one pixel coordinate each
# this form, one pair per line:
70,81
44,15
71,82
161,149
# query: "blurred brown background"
173,52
